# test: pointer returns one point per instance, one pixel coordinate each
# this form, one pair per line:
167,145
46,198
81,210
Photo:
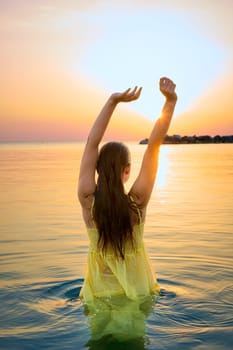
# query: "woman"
117,261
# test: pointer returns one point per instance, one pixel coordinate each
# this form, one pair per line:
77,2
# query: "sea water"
43,249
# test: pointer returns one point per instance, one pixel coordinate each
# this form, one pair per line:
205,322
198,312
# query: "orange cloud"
47,105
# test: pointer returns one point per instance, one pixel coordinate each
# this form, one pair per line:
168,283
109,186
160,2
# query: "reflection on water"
43,250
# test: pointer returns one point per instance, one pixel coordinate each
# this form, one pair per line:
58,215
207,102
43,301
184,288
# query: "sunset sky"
60,60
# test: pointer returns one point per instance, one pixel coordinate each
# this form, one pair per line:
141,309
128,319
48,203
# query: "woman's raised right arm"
86,183
143,185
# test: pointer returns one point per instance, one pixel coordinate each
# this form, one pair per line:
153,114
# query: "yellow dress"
108,276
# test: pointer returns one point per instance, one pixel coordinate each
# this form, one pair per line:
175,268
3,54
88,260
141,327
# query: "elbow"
80,192
84,192
81,195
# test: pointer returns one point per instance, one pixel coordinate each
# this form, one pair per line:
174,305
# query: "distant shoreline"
178,139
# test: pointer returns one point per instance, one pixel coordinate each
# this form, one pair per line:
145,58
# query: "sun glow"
163,169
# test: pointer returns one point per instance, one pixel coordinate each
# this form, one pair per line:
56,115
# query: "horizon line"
85,139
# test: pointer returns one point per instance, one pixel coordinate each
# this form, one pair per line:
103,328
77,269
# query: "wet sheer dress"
107,276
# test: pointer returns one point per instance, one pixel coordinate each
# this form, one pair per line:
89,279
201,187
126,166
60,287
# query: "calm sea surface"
43,249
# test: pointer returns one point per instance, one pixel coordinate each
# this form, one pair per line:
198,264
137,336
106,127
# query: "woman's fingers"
131,91
138,92
165,82
167,87
134,93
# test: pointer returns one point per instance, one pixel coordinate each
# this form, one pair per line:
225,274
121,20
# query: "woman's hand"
127,95
167,87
